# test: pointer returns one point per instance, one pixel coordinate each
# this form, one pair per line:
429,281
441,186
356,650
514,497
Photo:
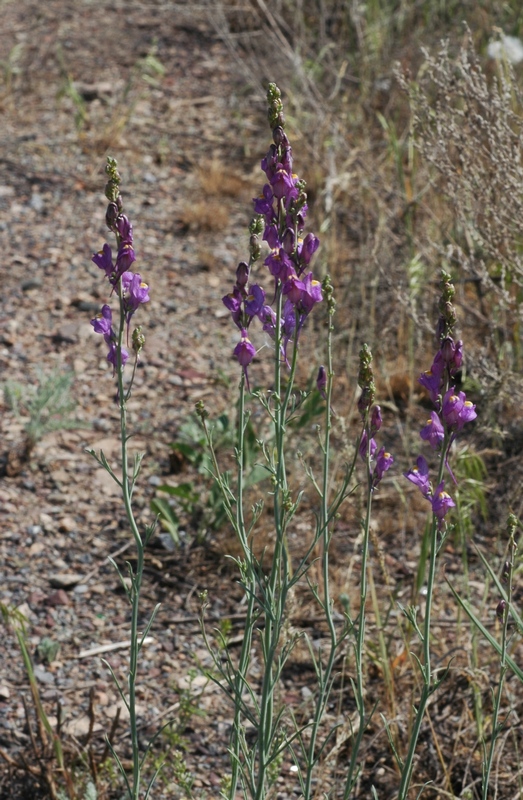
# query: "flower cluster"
452,409
280,214
372,421
130,288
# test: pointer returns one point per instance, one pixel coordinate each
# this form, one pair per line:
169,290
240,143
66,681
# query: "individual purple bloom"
432,379
452,353
283,185
245,352
307,248
457,410
375,420
280,265
124,229
254,301
270,163
267,317
419,476
312,293
112,355
263,204
363,446
104,260
441,502
124,259
384,462
233,300
321,381
102,323
270,235
135,292
433,432
294,289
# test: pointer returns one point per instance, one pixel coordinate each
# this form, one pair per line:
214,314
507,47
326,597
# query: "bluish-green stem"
250,577
360,635
324,687
276,587
136,577
426,669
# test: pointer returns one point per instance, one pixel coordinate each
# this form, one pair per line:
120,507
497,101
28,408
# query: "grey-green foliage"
48,403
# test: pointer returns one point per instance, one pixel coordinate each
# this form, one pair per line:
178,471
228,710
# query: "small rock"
65,580
58,598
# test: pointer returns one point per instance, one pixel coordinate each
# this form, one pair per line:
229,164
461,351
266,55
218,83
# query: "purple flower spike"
419,476
433,432
441,502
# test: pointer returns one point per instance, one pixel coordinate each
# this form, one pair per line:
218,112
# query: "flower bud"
375,420
242,274
501,608
505,574
111,215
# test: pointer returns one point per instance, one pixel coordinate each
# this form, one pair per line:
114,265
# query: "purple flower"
307,248
283,185
433,432
263,204
311,294
104,260
457,410
267,317
254,301
135,292
384,461
124,229
245,352
279,263
294,289
102,323
441,502
112,355
270,235
419,476
452,353
363,447
375,420
124,259
432,379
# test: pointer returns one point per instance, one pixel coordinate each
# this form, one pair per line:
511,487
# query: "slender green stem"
250,577
325,682
359,646
137,574
427,688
